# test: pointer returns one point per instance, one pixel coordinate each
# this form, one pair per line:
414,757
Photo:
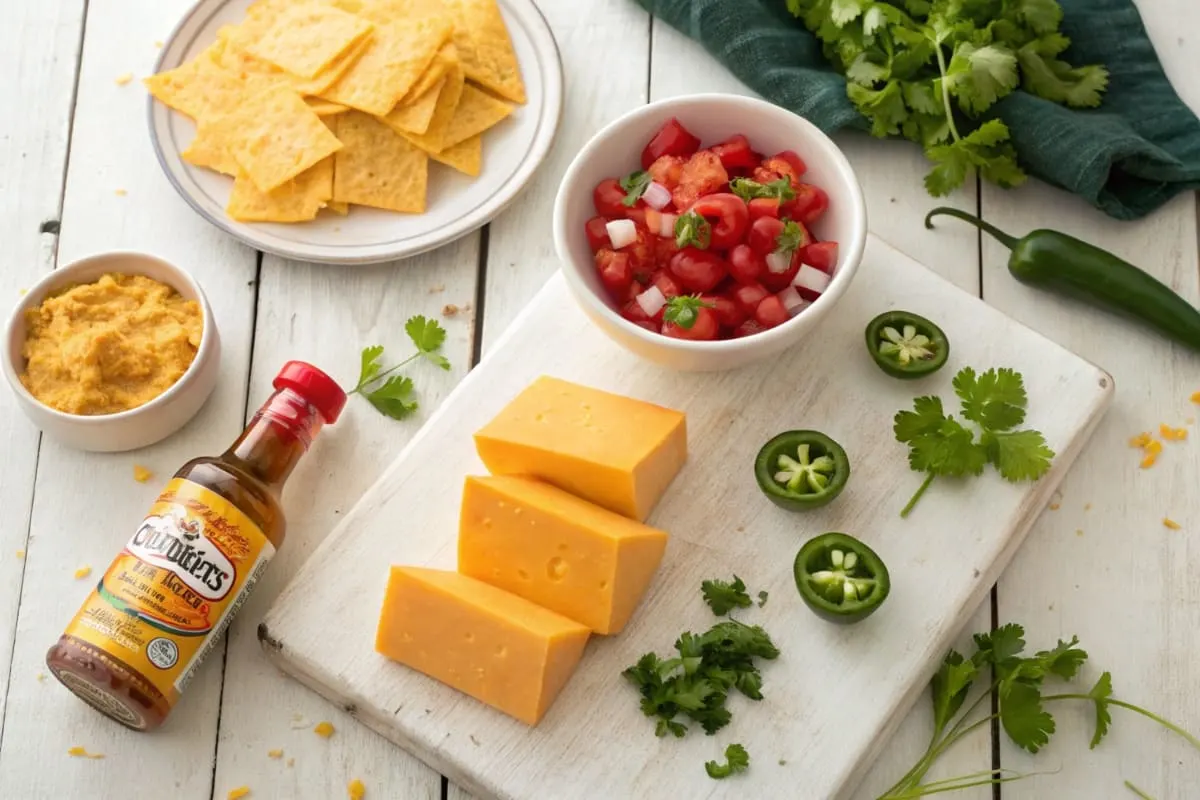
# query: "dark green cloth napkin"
1135,152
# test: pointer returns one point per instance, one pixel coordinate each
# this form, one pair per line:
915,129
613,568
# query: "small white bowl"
138,427
616,151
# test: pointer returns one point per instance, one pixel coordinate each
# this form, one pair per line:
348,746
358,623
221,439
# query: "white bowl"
138,427
616,151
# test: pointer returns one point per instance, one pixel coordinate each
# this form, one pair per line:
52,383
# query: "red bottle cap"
314,386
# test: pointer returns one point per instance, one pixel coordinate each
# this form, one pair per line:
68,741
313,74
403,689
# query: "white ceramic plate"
456,204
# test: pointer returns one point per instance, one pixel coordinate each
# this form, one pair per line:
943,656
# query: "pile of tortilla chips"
312,104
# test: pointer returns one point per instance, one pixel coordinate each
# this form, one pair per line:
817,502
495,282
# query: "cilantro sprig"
736,760
1018,688
692,230
684,309
748,189
724,596
635,184
930,70
941,446
392,395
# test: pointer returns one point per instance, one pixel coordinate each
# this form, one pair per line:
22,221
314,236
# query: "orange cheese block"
499,648
615,451
563,553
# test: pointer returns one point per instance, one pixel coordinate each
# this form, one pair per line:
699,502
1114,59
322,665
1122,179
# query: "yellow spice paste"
109,346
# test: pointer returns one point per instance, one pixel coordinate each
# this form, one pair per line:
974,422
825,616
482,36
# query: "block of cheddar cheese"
563,553
499,648
615,451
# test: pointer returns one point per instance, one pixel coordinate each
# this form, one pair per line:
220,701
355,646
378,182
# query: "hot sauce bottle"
167,597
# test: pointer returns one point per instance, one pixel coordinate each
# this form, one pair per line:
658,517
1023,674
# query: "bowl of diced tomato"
711,231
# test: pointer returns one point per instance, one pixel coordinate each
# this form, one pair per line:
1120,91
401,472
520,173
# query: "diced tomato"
633,312
666,284
763,235
597,234
778,281
608,197
664,249
647,324
615,271
771,312
727,215
729,313
764,174
672,139
706,327
735,153
808,205
749,296
701,175
745,265
666,170
822,255
698,270
793,160
747,328
764,207
641,252
637,213
782,165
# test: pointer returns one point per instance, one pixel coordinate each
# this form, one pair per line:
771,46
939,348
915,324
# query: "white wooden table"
1101,566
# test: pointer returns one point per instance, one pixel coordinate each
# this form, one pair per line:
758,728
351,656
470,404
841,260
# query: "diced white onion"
779,263
666,227
652,300
656,195
811,278
621,232
792,300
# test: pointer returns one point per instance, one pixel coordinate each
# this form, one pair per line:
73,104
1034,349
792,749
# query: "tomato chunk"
705,327
808,205
728,312
745,265
764,207
666,284
664,250
728,216
822,255
764,235
701,175
771,312
608,197
615,271
735,153
666,170
597,234
749,296
672,139
698,270
747,328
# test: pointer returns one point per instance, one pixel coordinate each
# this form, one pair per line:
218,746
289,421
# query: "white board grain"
86,505
39,41
296,319
595,742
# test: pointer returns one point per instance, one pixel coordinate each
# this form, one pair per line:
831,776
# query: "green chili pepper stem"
1005,239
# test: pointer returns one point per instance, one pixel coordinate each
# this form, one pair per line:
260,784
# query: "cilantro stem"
375,378
1192,740
928,480
1137,791
965,783
941,60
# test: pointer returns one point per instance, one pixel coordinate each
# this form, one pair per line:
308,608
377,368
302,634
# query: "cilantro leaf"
748,189
1050,78
949,687
1000,647
426,334
791,238
995,400
1021,713
371,365
762,598
1042,16
985,149
866,72
692,230
951,451
925,419
920,97
683,310
845,11
394,398
1064,660
883,107
749,683
1100,694
736,760
1019,455
634,184
724,596
979,76
733,637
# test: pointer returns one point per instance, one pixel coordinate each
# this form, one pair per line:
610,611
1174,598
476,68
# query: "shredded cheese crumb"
1170,523
20,554
324,729
120,192
1172,434
124,78
23,292
83,572
1150,447
356,790
41,677
141,474
1055,506
158,45
1141,440
238,793
274,754
1196,397
79,752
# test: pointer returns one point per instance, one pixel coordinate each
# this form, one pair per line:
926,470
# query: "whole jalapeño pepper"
1072,267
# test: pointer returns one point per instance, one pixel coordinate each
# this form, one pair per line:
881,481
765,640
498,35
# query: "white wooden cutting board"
836,692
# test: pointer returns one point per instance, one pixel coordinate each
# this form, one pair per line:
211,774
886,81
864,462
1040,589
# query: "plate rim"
544,42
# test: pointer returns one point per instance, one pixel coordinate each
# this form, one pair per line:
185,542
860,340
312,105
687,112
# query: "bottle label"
169,595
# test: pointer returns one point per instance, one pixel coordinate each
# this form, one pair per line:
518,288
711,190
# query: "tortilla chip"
466,156
485,48
209,151
393,61
415,118
445,58
199,88
376,167
431,140
338,207
335,71
306,39
297,200
324,108
274,136
477,111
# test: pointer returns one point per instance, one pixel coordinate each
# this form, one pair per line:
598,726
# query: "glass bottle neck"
276,438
